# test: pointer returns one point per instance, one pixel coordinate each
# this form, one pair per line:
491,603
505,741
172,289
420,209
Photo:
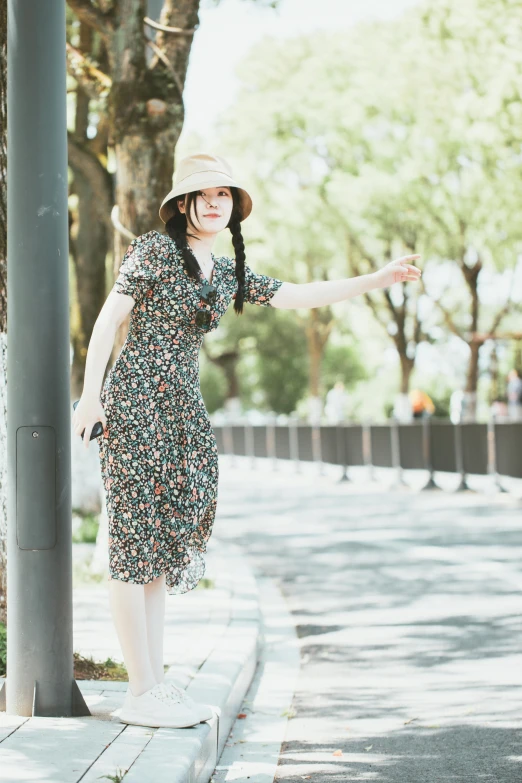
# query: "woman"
158,453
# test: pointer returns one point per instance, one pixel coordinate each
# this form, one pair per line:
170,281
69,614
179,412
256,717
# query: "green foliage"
388,409
387,138
343,362
213,385
205,584
86,531
275,364
442,404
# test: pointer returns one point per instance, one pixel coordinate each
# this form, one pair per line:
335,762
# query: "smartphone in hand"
96,430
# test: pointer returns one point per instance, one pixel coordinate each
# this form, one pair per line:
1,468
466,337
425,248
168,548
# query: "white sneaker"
204,711
156,708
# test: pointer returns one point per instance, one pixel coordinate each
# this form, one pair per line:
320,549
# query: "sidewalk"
214,637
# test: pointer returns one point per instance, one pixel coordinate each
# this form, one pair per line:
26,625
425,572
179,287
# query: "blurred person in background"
336,399
421,404
514,395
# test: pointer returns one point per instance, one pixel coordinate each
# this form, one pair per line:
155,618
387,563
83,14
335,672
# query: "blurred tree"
138,110
127,61
274,367
342,361
408,133
213,383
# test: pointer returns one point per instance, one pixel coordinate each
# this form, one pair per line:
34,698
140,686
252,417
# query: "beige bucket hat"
203,171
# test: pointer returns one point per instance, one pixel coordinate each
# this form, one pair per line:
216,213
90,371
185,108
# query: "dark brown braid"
239,248
176,228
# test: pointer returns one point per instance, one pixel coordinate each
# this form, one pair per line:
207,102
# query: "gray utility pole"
39,559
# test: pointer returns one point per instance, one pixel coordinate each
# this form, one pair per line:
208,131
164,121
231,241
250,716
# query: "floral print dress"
159,457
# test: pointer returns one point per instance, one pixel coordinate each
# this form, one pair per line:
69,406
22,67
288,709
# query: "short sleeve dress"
159,457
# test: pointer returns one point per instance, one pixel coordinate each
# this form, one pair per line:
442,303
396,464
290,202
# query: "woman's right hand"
398,271
86,414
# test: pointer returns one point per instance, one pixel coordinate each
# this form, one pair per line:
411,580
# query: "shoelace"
178,693
163,692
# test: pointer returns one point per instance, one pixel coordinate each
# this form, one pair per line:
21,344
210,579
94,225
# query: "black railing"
493,449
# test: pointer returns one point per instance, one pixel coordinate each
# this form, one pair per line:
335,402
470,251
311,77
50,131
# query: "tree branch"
93,82
92,16
84,161
448,319
374,267
163,57
506,307
125,232
165,29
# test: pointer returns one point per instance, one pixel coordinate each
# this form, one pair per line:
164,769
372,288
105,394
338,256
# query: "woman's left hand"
398,271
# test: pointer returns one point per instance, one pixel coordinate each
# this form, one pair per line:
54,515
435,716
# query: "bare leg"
127,602
155,593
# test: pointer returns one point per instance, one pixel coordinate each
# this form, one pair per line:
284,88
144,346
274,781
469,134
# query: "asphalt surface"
408,609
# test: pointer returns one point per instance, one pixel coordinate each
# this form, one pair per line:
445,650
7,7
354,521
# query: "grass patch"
89,669
84,668
205,584
117,777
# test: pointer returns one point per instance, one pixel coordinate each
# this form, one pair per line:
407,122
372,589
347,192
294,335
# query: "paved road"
408,608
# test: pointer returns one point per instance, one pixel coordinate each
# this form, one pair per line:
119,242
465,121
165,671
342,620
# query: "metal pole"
294,444
340,434
367,450
396,455
270,441
492,456
228,443
40,677
316,447
249,444
426,449
459,459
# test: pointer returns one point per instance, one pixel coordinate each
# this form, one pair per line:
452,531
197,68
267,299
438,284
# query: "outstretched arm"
292,296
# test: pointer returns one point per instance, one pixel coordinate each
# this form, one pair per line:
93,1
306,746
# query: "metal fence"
492,449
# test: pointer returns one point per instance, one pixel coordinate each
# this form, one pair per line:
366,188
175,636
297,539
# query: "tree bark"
91,232
473,367
318,328
407,366
145,114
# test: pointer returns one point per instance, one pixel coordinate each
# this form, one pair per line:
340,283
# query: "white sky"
227,32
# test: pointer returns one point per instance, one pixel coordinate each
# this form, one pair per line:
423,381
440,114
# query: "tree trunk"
316,344
146,117
228,363
91,232
471,275
318,327
144,107
407,366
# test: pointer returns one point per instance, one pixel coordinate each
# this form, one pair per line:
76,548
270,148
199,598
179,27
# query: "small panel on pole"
36,487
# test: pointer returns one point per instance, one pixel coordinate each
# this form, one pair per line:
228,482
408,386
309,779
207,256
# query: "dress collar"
216,261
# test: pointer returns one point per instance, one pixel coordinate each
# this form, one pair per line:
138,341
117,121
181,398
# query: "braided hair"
177,229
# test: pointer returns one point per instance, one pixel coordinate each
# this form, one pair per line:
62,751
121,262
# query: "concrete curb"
98,745
252,751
